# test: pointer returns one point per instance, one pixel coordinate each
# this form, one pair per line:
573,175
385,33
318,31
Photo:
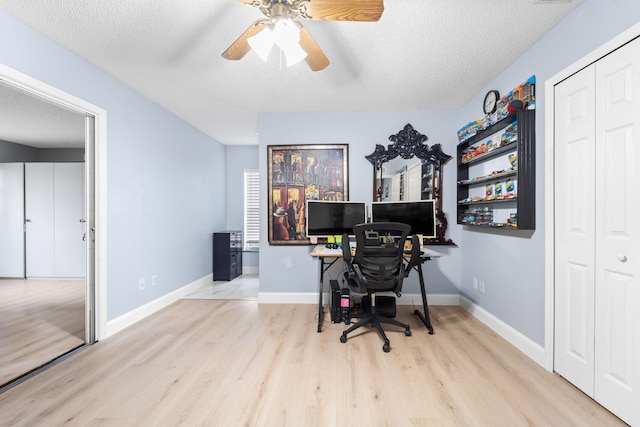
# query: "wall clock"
490,103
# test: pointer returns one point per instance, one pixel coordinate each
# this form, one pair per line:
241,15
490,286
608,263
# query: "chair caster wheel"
407,332
343,338
386,347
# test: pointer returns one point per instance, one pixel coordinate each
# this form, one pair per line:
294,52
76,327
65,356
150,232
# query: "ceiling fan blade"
344,10
315,58
240,47
249,2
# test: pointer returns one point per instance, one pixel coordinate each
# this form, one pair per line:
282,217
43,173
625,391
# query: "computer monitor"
420,215
329,218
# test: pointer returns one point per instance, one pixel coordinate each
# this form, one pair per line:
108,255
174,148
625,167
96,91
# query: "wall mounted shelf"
516,206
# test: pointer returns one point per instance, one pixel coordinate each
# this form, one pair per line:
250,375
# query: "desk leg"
425,318
320,286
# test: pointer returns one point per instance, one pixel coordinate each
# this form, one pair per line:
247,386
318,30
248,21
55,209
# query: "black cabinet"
502,194
227,255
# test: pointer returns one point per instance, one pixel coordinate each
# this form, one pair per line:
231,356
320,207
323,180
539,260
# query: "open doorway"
48,222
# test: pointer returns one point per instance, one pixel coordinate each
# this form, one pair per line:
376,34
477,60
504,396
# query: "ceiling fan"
280,28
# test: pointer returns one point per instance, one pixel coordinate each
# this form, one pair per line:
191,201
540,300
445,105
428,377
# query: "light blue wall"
512,265
165,179
290,268
239,158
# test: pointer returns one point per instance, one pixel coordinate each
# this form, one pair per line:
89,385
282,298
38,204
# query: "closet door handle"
621,257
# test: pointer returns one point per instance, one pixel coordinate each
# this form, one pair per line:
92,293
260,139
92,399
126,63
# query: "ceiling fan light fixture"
294,54
285,34
303,45
287,37
262,43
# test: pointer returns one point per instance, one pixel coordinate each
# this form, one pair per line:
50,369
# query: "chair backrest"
378,263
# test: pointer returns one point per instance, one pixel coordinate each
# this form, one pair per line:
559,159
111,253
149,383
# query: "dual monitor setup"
331,218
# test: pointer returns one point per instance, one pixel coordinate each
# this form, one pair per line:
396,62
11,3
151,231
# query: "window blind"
251,209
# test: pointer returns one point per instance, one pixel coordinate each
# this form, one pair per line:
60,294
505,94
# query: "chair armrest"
346,249
358,272
416,255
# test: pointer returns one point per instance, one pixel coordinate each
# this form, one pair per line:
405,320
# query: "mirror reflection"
410,170
405,180
42,242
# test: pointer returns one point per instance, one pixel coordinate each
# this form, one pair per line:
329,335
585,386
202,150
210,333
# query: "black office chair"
378,266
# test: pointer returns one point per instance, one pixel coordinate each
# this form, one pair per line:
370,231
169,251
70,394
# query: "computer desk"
328,257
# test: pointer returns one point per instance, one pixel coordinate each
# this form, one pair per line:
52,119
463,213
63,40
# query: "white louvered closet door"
597,231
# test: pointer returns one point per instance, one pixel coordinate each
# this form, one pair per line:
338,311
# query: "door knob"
621,257
27,220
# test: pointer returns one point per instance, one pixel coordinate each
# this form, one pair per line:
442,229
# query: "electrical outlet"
141,285
475,283
481,286
154,280
288,262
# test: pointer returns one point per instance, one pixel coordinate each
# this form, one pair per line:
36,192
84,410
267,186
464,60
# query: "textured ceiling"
32,121
422,54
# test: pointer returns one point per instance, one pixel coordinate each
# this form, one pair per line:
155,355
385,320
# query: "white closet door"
11,220
395,187
39,218
617,274
414,182
68,225
597,231
575,229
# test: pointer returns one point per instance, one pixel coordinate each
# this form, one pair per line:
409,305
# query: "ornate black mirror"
408,169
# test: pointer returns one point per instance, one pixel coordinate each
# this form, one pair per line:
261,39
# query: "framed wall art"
298,173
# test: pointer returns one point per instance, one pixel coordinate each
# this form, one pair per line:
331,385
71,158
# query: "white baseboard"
250,270
128,319
533,350
289,298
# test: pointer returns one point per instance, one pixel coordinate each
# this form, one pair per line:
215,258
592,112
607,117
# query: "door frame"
549,187
97,283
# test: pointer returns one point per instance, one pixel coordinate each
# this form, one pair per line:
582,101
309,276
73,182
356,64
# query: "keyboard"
329,251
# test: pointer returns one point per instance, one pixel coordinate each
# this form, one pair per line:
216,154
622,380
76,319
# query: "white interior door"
12,220
39,219
617,274
414,182
55,220
69,246
395,187
575,229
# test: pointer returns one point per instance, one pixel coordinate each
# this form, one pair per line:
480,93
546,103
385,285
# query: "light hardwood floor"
39,321
237,363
